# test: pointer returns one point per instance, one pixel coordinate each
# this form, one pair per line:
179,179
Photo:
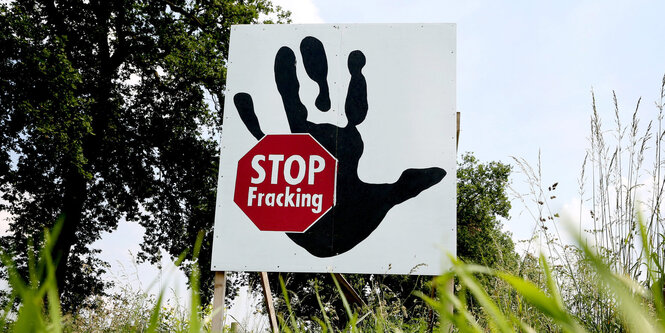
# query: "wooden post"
451,290
218,302
451,284
267,295
349,292
457,142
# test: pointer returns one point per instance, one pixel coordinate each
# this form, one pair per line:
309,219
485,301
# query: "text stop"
286,182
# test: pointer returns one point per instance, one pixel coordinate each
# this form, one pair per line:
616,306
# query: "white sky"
525,72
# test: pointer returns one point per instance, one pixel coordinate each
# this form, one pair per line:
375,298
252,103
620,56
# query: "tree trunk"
73,200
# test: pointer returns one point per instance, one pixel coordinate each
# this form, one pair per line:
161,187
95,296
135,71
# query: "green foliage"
535,306
639,309
481,200
368,319
103,117
526,305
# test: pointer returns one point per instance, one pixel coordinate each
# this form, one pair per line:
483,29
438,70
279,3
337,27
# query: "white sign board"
338,150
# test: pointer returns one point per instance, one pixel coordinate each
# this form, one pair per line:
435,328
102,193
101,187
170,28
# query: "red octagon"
286,182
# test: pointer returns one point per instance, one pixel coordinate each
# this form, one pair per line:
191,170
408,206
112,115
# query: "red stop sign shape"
286,182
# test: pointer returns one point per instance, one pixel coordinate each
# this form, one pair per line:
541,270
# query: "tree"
103,117
481,200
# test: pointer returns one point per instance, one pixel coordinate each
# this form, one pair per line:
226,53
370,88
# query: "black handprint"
360,207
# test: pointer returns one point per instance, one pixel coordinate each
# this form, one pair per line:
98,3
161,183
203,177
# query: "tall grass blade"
495,316
547,304
194,281
459,317
292,317
630,306
50,284
353,317
327,325
655,274
155,314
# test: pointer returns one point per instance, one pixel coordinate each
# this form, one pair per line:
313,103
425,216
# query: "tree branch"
182,11
122,51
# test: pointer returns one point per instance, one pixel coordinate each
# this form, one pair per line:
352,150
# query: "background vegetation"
103,117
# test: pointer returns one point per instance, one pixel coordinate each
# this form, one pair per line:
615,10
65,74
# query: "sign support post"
350,293
219,295
451,284
267,296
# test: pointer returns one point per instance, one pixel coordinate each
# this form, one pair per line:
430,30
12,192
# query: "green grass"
523,304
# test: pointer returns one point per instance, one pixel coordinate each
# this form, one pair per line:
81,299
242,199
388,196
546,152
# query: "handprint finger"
288,87
414,181
356,98
245,106
316,66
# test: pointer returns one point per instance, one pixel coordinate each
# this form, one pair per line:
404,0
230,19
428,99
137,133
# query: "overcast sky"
525,70
525,74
